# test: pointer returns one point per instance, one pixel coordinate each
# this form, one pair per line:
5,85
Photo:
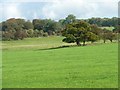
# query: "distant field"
108,28
36,63
33,43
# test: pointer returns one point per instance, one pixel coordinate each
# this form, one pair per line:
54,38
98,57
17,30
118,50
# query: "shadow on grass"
60,47
69,46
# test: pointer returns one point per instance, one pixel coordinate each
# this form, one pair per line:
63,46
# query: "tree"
103,21
111,36
116,29
108,35
82,32
7,35
92,37
19,34
28,25
41,32
96,30
70,19
50,27
30,33
78,32
39,24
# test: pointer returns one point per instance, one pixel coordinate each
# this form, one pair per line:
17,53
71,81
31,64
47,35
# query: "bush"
45,34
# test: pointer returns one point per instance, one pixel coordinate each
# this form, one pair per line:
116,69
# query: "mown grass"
108,28
33,43
93,66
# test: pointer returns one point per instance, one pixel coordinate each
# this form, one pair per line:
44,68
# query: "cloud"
35,15
11,11
57,9
20,1
56,0
1,10
81,8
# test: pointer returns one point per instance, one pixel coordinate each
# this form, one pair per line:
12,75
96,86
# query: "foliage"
28,25
45,34
108,35
79,32
101,22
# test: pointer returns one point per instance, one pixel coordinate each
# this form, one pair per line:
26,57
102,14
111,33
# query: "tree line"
74,30
15,29
103,21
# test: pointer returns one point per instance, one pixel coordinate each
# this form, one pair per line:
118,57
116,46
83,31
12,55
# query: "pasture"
36,63
108,28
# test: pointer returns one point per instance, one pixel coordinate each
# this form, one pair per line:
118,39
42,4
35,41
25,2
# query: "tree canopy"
79,32
73,29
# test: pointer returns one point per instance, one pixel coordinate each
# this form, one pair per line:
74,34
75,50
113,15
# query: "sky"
57,9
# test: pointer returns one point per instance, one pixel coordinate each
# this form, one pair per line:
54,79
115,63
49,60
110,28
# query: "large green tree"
78,32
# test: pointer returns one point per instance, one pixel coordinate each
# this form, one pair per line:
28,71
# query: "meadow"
108,28
37,63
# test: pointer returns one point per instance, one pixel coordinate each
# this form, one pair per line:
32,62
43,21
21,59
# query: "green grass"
0,68
108,28
33,43
93,66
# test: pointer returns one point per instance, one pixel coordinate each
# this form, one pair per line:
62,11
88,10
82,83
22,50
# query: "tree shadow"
55,48
67,46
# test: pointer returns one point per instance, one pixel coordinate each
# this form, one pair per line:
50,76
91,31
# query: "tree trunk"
78,43
104,40
83,43
111,40
92,42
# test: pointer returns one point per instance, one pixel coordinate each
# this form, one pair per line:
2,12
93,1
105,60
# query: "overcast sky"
57,9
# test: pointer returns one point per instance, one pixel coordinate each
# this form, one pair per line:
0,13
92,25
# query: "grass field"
35,63
108,28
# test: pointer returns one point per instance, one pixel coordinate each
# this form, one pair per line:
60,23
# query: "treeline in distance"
74,30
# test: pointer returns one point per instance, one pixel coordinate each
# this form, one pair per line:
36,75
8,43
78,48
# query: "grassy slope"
90,66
